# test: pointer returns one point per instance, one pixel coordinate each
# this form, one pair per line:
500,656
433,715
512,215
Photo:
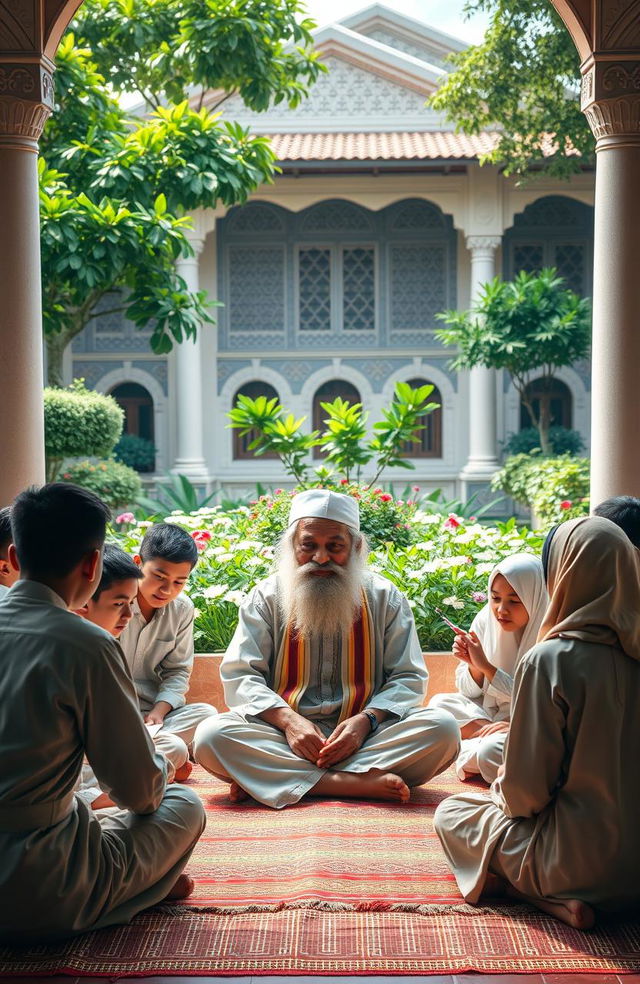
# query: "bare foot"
237,794
374,784
572,912
182,888
183,773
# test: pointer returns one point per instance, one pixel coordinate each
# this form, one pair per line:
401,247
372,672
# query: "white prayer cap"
324,504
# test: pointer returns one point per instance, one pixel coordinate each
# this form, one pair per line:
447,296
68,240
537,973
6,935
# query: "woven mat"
329,888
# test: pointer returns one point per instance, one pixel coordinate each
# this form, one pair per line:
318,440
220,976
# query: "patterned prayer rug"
329,887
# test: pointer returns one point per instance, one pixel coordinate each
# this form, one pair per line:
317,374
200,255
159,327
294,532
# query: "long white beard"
314,604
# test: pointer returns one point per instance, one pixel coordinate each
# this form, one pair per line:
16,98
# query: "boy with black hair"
110,606
624,511
64,681
158,641
8,573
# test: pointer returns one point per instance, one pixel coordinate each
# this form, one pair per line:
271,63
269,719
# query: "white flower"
485,568
144,524
236,597
254,562
453,602
248,545
425,545
215,590
267,552
216,551
224,558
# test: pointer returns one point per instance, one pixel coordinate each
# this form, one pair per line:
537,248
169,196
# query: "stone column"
483,456
26,100
190,459
611,102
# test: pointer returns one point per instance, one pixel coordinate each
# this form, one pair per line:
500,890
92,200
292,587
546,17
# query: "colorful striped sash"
293,665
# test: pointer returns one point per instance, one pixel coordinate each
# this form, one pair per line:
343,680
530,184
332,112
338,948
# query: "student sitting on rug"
64,683
624,511
324,676
158,642
500,634
8,573
560,826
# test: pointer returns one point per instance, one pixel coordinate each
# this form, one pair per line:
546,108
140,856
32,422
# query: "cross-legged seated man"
324,677
65,691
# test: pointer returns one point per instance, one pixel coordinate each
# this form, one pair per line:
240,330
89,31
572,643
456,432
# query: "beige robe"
563,822
65,691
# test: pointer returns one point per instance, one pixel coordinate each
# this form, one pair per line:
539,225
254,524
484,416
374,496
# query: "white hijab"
524,573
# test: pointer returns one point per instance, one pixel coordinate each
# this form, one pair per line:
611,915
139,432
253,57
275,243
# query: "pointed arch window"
326,394
241,450
429,443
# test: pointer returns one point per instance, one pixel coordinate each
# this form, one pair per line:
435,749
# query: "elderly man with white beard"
324,677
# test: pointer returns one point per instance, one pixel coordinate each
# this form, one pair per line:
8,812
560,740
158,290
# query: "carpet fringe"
321,905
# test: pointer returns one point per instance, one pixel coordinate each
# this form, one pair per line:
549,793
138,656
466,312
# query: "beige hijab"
594,586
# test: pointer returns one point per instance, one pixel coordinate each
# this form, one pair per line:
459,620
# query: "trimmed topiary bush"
563,440
136,452
115,483
78,423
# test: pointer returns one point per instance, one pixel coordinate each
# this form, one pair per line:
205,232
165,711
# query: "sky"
445,15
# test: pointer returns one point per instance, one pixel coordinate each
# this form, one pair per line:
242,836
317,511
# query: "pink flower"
451,523
416,488
566,504
127,517
377,492
277,491
479,597
385,497
344,481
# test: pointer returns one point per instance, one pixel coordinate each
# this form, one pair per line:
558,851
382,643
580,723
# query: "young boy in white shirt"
8,573
158,642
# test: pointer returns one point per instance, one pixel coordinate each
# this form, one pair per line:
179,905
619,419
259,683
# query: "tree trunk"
56,345
544,423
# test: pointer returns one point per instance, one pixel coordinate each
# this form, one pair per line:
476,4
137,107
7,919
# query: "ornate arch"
450,406
579,394
131,374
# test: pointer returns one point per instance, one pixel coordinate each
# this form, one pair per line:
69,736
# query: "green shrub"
79,423
136,452
554,488
563,440
115,483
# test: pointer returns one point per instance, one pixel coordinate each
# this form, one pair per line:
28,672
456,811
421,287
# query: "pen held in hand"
455,628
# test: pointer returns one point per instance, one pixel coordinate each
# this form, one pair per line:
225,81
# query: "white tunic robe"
65,691
414,742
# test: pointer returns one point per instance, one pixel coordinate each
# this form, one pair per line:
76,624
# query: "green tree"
115,189
344,443
522,82
530,326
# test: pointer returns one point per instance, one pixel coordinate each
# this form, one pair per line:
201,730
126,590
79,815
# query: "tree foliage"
531,325
521,82
115,189
344,441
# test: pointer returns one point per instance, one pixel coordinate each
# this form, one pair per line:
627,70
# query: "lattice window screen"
569,261
256,288
314,281
418,286
358,289
528,257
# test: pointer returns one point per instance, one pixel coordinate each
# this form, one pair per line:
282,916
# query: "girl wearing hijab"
500,634
559,828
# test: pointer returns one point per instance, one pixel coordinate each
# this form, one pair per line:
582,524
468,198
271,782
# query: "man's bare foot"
237,794
374,784
572,912
182,888
183,773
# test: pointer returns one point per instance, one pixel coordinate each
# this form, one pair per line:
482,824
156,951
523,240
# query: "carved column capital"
483,244
610,98
26,100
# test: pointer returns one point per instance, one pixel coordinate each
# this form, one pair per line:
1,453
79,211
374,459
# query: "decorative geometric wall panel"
314,285
418,286
414,215
421,51
335,217
358,289
256,288
157,368
255,217
570,264
528,257
553,211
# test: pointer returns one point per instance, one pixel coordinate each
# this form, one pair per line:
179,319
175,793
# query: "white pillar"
612,106
23,114
188,404
483,456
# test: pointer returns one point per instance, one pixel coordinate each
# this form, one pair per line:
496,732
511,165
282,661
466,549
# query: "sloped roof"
399,145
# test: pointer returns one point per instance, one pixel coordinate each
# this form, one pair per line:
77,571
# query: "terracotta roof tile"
435,145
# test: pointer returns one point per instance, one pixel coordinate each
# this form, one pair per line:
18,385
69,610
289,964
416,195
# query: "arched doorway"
560,403
137,444
429,443
241,442
327,393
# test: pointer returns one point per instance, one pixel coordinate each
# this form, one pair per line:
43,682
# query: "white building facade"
330,279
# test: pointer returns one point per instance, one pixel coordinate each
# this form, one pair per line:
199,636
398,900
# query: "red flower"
385,497
201,538
566,504
451,523
344,481
377,492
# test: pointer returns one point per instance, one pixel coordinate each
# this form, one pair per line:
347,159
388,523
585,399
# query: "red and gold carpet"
329,888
